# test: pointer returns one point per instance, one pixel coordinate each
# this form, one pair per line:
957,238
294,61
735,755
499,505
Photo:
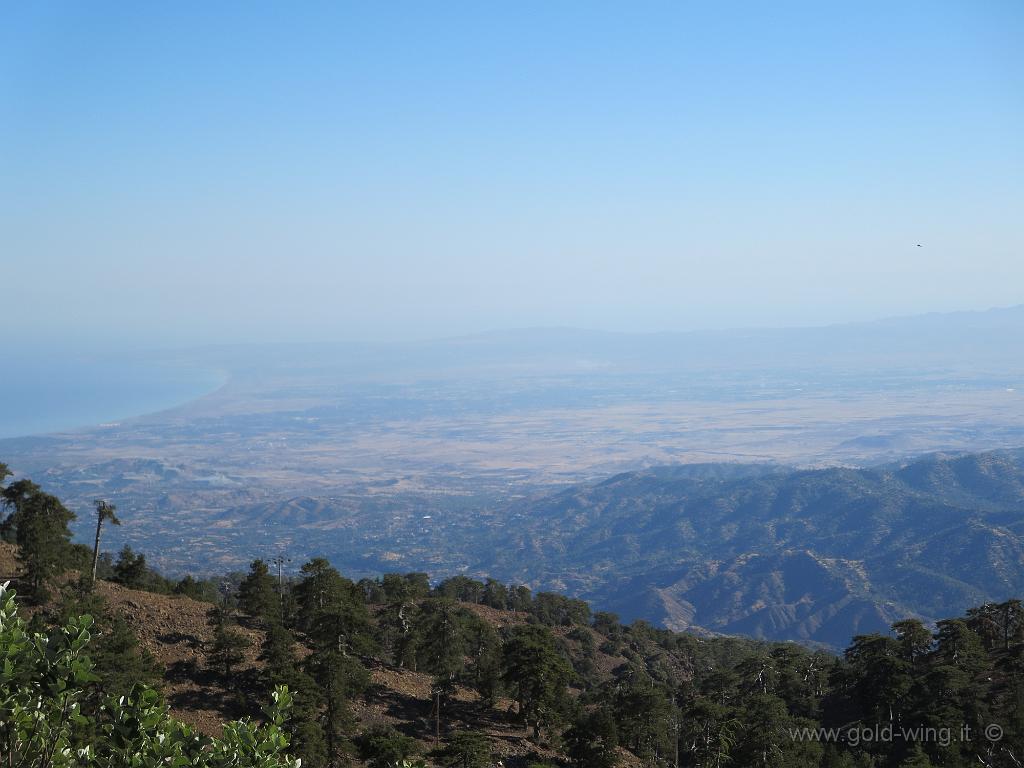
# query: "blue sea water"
39,395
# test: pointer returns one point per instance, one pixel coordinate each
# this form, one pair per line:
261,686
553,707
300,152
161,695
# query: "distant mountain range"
989,341
774,553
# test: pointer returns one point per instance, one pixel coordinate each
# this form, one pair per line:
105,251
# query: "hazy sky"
188,172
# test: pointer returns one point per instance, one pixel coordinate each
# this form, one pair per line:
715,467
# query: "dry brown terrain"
174,629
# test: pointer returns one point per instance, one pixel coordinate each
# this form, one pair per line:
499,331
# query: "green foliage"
644,714
132,570
999,625
495,594
592,739
38,524
44,681
557,610
519,598
466,749
203,590
332,610
442,627
120,663
384,747
340,678
77,557
229,645
607,624
461,588
282,668
400,588
484,669
258,593
303,721
537,674
397,631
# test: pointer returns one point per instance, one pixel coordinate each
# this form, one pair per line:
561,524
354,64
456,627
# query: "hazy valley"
434,456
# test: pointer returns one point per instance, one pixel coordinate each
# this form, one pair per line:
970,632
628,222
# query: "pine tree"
257,594
227,650
282,667
461,588
202,590
537,674
484,669
881,678
441,626
592,740
764,737
915,641
643,714
384,747
709,731
495,594
997,624
397,627
131,570
519,598
332,611
120,661
38,524
441,650
340,678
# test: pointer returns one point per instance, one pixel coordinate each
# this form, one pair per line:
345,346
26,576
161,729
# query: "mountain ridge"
785,554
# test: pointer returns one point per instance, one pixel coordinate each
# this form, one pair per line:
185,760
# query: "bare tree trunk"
104,511
96,548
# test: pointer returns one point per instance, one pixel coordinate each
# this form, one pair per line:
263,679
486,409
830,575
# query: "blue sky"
195,172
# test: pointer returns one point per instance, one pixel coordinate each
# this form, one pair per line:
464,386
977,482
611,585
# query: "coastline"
50,398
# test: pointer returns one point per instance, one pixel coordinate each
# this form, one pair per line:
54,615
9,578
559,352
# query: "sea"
41,394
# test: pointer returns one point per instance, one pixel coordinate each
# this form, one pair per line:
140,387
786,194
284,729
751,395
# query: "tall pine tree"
38,524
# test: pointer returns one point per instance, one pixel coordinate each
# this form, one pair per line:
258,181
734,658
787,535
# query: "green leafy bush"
45,678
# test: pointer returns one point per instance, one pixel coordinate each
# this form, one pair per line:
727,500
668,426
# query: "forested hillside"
466,672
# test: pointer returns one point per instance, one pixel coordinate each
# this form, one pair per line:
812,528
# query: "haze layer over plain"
356,443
